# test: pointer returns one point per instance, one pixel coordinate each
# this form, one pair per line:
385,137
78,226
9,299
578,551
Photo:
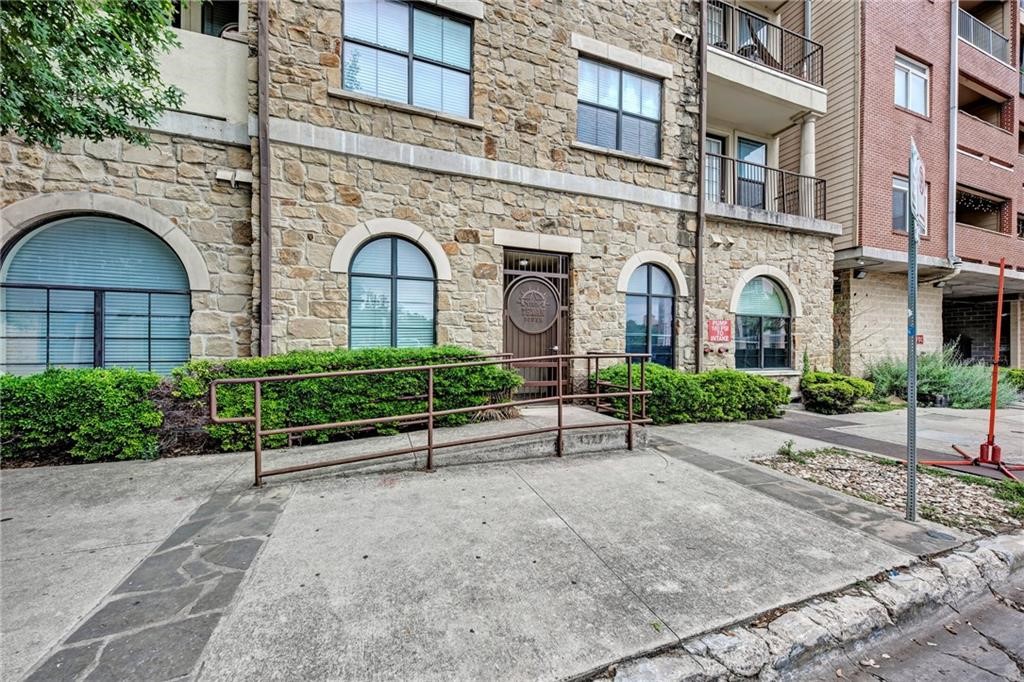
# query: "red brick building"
900,70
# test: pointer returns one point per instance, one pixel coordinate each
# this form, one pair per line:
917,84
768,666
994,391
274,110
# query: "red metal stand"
990,454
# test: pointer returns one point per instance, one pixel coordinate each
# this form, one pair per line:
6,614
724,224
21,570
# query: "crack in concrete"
964,659
599,557
996,644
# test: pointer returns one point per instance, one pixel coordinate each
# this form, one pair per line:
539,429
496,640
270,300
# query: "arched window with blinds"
93,291
763,326
392,292
650,314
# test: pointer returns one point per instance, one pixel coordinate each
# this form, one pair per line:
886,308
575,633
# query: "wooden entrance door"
536,314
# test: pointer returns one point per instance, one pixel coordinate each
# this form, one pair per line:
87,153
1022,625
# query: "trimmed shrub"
829,393
675,397
735,395
1015,378
718,395
337,399
85,414
941,375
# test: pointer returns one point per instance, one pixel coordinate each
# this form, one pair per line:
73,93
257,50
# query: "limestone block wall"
320,196
805,260
176,178
871,318
523,90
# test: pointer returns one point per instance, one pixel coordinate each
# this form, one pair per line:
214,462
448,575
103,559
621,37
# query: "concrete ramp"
611,434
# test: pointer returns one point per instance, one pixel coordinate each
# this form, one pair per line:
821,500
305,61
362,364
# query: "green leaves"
338,399
829,393
83,68
715,396
87,414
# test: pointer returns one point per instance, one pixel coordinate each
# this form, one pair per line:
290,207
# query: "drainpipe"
698,266
265,241
808,24
954,73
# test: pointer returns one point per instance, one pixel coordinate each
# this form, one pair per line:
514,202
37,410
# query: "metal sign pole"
912,372
917,220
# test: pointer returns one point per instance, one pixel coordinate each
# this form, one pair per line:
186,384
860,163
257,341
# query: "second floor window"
618,109
402,52
901,204
911,85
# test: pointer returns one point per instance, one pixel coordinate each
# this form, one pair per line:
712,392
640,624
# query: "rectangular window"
618,109
405,53
901,204
911,85
78,327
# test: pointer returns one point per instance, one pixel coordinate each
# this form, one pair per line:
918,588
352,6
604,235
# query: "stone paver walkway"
156,623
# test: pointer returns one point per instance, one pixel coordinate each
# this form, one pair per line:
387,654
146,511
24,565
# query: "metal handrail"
753,185
562,363
756,39
982,36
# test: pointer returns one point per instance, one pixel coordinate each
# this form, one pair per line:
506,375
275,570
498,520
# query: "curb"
806,633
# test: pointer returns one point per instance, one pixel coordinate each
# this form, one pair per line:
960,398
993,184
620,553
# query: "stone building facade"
504,186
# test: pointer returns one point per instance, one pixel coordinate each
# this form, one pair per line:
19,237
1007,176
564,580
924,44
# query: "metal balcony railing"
758,40
742,183
983,36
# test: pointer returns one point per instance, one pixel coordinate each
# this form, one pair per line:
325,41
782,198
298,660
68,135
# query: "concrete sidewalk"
533,569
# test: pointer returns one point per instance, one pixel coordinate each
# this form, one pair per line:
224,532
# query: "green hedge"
81,414
319,401
941,374
1015,378
829,393
715,396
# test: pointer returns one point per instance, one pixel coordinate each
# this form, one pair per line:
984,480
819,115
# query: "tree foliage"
83,68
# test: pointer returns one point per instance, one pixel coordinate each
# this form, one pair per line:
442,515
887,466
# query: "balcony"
760,75
755,39
212,73
751,185
984,37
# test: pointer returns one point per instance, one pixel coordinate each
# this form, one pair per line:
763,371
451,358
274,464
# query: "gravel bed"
947,499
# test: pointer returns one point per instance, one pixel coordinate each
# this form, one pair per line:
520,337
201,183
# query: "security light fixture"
860,274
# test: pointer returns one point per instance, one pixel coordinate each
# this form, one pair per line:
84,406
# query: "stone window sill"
781,372
407,108
650,160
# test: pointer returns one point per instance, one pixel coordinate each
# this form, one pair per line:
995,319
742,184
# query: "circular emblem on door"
532,305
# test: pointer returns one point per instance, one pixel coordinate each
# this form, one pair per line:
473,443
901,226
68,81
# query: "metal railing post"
643,388
629,402
430,419
560,394
258,428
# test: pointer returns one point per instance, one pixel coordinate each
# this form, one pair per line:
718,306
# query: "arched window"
650,314
392,290
92,291
763,326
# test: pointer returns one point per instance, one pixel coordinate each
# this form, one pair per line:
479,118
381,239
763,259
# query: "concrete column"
807,165
807,149
1016,322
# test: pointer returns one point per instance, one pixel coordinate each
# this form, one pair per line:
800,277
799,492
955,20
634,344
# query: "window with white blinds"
407,53
618,109
392,292
93,292
763,326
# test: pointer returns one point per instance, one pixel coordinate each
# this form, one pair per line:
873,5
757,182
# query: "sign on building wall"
719,331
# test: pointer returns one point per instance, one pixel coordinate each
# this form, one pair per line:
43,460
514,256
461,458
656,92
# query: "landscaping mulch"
963,502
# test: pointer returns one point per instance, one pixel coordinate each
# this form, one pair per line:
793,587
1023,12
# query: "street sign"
918,192
918,211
